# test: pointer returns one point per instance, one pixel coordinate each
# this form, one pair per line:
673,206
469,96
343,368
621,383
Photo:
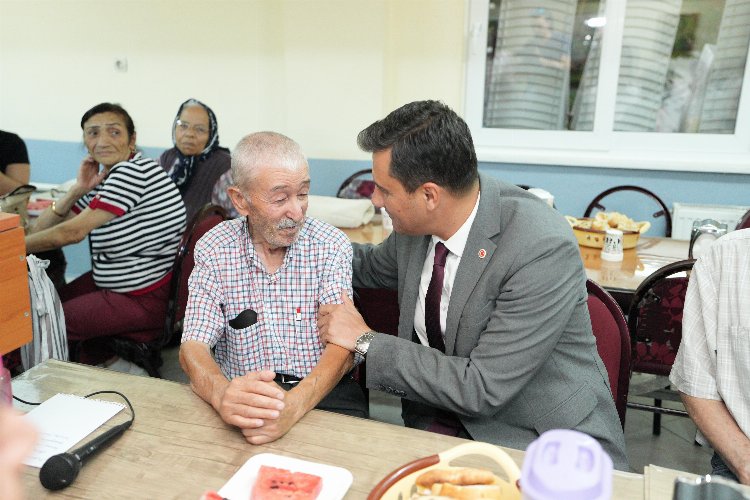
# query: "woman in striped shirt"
134,217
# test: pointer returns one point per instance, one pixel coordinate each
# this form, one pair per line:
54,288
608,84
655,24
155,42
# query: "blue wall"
573,187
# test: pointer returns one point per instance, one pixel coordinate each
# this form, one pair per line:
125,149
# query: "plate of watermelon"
267,476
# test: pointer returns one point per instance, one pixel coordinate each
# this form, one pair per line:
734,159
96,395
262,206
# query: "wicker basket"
594,238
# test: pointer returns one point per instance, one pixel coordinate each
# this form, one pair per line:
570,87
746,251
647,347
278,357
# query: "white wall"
319,71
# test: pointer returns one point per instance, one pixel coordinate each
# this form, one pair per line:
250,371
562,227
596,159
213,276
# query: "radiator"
683,215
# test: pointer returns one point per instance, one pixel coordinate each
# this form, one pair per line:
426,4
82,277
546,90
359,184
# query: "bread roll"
458,483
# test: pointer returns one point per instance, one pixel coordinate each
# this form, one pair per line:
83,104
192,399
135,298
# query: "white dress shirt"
713,361
455,244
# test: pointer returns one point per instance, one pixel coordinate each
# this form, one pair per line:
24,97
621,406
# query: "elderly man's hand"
248,401
271,430
341,324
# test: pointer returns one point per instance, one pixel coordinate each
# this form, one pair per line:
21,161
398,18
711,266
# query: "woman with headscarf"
197,163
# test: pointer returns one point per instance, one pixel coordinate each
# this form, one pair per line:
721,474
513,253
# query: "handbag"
16,201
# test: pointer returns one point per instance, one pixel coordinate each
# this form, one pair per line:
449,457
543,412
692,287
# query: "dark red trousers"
93,313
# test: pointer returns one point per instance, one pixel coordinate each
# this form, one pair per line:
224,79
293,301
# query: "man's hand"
248,401
332,365
273,429
341,324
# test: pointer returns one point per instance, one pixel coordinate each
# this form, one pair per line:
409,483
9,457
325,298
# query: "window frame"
602,147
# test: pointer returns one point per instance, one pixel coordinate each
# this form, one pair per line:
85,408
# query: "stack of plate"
584,105
648,38
528,79
725,80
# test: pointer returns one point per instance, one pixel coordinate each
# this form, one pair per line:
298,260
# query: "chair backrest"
703,235
655,318
612,342
663,211
744,222
206,218
379,308
357,186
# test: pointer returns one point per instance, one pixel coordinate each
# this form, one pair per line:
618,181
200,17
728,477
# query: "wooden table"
638,263
372,232
178,447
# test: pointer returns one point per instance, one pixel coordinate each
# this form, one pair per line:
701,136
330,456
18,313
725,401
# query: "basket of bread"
590,232
435,478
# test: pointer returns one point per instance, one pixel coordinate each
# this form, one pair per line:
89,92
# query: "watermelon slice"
281,484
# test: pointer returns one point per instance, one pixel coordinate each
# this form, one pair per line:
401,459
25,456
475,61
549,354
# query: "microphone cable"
60,471
132,411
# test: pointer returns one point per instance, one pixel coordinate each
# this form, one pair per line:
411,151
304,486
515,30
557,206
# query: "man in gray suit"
495,341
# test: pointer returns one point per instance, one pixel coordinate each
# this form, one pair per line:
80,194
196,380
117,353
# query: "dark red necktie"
432,299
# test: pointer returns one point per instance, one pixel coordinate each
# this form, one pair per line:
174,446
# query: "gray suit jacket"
520,355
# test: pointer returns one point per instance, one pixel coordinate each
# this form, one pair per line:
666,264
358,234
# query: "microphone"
59,471
246,318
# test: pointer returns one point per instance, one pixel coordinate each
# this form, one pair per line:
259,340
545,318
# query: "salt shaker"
612,249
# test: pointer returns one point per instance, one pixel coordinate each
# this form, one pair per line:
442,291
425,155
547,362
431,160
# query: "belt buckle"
288,379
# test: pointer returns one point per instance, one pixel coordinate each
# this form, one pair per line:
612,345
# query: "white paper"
63,420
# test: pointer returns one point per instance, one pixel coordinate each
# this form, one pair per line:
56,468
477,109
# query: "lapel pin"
482,253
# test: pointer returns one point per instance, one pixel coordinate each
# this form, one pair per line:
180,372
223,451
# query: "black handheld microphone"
59,471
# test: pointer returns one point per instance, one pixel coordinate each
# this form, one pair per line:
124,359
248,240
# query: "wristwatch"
363,342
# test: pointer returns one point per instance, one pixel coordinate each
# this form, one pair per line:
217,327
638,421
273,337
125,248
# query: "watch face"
363,343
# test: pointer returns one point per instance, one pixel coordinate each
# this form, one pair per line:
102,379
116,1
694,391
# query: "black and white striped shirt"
136,249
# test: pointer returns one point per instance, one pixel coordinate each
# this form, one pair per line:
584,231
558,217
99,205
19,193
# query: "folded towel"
340,212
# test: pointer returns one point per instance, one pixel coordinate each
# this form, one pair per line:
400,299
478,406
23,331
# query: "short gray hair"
261,149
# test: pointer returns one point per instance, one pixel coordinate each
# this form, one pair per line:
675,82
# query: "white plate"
336,480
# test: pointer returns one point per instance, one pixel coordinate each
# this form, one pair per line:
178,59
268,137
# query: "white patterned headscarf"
183,170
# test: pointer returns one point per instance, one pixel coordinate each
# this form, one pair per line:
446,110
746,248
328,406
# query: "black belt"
283,378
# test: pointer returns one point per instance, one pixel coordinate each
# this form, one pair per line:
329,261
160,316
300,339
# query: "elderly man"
713,363
254,296
495,341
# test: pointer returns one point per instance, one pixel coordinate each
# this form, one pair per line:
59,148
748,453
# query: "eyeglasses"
185,126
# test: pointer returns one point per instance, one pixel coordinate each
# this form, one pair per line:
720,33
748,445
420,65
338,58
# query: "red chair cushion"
379,309
659,330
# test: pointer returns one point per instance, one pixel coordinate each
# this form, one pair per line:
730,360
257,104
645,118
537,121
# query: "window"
656,84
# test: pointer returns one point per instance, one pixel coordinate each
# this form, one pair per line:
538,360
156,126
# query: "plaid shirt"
229,278
713,361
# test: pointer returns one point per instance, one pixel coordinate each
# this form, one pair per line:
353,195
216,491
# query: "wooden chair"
147,353
663,211
655,324
612,342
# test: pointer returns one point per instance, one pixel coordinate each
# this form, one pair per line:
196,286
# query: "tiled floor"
674,448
